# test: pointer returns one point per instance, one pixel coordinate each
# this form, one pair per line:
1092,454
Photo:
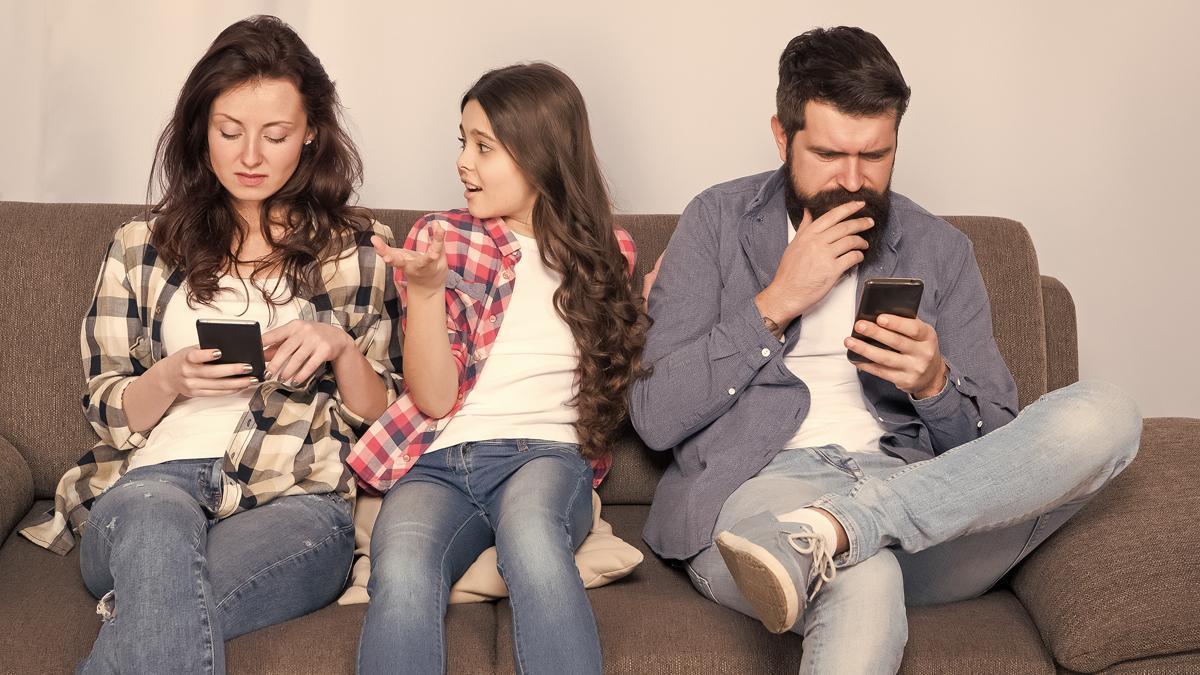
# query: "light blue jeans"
937,531
183,582
530,498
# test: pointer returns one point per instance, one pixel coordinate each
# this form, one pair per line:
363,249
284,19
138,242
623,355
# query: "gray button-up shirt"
722,399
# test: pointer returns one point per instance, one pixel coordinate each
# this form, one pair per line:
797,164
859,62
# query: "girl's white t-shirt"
529,376
203,427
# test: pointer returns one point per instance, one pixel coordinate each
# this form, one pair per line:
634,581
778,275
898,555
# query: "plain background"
1077,118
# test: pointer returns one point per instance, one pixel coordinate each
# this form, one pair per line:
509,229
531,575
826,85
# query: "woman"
216,504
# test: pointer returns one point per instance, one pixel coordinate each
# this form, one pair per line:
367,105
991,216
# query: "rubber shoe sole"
762,580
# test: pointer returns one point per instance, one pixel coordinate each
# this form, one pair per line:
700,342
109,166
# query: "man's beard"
878,206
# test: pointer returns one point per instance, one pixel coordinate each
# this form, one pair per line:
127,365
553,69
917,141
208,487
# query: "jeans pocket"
838,458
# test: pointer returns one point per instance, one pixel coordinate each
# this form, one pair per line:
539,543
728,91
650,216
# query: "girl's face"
495,185
255,134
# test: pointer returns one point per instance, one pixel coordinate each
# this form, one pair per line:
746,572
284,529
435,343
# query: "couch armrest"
16,488
1119,580
1062,339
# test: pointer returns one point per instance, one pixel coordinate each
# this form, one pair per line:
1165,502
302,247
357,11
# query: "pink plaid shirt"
481,255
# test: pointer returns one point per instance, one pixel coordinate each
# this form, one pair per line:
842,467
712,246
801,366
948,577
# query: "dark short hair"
845,67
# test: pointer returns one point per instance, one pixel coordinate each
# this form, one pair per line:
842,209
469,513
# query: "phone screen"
896,296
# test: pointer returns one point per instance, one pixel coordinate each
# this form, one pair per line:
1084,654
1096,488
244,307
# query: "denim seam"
206,618
337,532
564,520
442,586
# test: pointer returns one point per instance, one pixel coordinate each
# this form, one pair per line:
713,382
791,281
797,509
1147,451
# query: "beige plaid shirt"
289,441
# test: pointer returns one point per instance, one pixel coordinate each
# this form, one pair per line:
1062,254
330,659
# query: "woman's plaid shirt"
290,440
481,255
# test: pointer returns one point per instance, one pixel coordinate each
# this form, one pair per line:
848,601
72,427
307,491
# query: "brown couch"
1114,591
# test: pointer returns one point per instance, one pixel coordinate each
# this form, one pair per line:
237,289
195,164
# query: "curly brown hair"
539,115
197,228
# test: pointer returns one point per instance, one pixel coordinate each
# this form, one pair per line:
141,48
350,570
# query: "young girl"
522,335
215,504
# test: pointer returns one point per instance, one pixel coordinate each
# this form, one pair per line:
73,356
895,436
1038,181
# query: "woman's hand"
296,349
190,372
423,272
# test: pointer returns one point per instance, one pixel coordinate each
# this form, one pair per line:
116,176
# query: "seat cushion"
654,621
49,623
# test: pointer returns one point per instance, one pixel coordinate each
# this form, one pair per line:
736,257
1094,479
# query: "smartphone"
239,340
896,296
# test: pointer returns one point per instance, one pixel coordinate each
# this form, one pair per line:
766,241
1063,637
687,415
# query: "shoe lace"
823,570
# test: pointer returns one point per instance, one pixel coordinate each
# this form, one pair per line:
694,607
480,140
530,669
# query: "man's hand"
822,251
648,282
916,367
423,272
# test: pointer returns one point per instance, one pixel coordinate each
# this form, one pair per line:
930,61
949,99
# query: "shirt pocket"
464,300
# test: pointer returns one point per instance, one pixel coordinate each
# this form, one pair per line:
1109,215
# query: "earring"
308,142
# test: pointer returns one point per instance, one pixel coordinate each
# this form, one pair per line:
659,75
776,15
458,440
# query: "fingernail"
882,321
247,368
292,383
860,326
216,353
267,374
254,380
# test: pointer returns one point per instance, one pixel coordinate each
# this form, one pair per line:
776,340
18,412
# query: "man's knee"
1101,424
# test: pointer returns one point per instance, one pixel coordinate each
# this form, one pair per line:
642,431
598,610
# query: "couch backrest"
51,254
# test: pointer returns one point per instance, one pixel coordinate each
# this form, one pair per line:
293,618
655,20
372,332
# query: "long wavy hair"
197,228
539,115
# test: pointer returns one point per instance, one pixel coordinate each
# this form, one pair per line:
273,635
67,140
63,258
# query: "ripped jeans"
176,582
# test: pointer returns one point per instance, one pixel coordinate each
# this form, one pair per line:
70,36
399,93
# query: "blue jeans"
182,582
533,500
937,531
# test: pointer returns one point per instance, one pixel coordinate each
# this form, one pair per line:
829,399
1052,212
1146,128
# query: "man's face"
837,158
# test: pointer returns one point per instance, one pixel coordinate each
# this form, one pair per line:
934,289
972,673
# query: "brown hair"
197,228
539,115
845,67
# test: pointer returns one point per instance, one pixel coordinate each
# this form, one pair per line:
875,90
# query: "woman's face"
256,131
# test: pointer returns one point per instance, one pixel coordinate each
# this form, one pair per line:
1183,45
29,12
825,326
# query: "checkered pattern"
481,255
290,440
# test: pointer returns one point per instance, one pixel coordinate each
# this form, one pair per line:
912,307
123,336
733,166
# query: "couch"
1114,591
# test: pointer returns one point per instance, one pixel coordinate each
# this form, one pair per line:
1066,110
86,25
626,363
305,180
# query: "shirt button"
507,275
492,319
979,424
766,352
880,419
732,391
958,382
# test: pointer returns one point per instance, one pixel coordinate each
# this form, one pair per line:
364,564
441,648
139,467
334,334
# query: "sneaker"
773,565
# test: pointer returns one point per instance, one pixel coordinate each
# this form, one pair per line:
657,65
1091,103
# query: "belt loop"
523,445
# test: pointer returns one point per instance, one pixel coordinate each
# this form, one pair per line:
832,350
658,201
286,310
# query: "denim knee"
1101,422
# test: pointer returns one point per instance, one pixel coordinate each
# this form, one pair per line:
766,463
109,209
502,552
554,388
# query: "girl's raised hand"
423,271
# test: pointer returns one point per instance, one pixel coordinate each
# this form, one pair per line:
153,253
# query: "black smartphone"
239,340
886,295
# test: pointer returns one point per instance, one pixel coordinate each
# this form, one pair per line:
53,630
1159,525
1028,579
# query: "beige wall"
1077,118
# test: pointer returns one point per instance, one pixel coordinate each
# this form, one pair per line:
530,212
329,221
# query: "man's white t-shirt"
839,411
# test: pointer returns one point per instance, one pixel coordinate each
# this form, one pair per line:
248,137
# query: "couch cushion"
654,621
1118,582
49,623
48,266
1010,273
